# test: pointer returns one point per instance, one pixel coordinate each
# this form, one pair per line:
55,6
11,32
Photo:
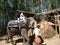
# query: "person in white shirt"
38,37
21,18
36,31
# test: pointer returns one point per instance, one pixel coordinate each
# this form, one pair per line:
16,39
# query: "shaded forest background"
8,8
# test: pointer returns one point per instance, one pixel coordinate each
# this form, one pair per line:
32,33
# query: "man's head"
21,15
38,26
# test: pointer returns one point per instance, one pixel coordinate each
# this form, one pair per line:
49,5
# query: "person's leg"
42,41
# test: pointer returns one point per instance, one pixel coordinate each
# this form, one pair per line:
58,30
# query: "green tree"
8,7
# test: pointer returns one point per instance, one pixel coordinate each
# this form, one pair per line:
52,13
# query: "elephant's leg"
7,40
24,34
8,36
12,42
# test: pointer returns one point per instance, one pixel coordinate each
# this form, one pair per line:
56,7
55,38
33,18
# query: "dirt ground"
52,41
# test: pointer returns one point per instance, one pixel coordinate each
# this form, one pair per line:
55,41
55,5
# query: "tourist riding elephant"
19,26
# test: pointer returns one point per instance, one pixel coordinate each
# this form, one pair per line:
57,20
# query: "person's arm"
18,20
35,24
33,32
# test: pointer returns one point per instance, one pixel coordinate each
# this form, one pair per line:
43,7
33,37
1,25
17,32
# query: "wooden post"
59,25
59,30
55,24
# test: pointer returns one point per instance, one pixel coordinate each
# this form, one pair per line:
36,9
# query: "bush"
49,33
